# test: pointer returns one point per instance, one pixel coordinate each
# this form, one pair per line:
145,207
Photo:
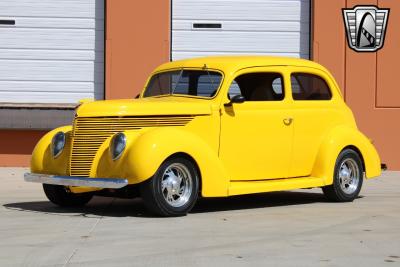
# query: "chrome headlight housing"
117,145
57,144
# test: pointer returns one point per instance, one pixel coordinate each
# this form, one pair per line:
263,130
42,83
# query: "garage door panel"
240,41
45,97
255,26
183,55
277,10
51,39
51,8
43,70
45,54
58,23
276,27
41,86
54,53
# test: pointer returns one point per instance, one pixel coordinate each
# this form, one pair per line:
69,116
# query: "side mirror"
236,99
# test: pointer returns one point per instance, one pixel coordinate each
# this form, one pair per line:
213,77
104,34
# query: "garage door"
51,51
215,27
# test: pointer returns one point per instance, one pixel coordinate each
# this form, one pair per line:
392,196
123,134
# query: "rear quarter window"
307,86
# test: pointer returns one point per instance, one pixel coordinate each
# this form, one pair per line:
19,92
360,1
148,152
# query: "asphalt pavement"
298,228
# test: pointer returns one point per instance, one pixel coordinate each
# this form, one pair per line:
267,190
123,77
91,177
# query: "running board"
251,187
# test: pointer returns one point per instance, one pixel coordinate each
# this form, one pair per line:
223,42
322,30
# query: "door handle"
287,121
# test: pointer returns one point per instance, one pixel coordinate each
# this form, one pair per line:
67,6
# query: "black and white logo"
366,27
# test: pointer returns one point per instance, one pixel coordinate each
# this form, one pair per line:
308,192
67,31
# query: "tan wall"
16,147
137,40
367,79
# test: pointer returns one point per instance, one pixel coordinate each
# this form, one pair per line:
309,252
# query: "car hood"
145,107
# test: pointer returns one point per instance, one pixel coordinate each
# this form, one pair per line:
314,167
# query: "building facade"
54,53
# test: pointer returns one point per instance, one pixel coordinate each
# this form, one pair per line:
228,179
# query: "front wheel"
173,190
348,177
61,196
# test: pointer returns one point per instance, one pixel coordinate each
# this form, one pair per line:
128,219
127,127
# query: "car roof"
234,63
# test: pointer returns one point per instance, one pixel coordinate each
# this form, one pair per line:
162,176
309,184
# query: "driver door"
256,135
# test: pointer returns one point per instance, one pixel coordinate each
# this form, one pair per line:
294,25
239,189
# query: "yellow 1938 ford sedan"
210,127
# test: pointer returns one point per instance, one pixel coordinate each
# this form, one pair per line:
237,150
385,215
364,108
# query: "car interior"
258,87
309,87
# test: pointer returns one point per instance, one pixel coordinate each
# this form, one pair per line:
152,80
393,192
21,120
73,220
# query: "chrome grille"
90,133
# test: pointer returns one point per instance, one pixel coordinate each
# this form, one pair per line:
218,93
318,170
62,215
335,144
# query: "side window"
296,90
234,90
309,87
260,86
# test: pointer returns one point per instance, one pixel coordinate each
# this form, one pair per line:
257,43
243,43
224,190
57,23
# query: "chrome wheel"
349,176
177,185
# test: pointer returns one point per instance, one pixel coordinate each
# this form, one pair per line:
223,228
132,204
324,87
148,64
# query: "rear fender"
338,139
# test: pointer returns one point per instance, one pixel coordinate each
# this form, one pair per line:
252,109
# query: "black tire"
61,196
343,190
155,197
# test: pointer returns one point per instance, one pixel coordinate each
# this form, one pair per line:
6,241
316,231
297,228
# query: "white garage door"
51,51
216,27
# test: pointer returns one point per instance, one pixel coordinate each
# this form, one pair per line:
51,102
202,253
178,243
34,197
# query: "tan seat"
262,92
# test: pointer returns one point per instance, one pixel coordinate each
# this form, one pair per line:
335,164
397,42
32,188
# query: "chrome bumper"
75,181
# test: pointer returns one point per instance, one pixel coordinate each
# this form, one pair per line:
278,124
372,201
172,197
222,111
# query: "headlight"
57,144
117,145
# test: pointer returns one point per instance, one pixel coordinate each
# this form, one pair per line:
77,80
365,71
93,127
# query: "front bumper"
76,181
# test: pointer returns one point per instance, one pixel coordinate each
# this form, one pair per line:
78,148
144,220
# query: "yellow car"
210,127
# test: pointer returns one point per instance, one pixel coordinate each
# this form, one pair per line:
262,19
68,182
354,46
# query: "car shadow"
255,201
113,207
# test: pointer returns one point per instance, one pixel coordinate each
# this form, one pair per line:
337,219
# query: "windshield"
201,83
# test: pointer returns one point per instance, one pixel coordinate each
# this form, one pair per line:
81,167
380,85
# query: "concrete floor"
275,229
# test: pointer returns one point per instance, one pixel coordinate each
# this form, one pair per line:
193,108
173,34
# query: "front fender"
339,138
42,160
146,150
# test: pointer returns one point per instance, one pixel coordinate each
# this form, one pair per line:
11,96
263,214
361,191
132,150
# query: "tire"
348,178
174,188
61,196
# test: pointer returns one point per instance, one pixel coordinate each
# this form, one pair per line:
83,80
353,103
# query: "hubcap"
349,176
176,184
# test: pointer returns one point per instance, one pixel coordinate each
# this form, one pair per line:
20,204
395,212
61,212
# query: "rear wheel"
348,177
61,196
173,190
